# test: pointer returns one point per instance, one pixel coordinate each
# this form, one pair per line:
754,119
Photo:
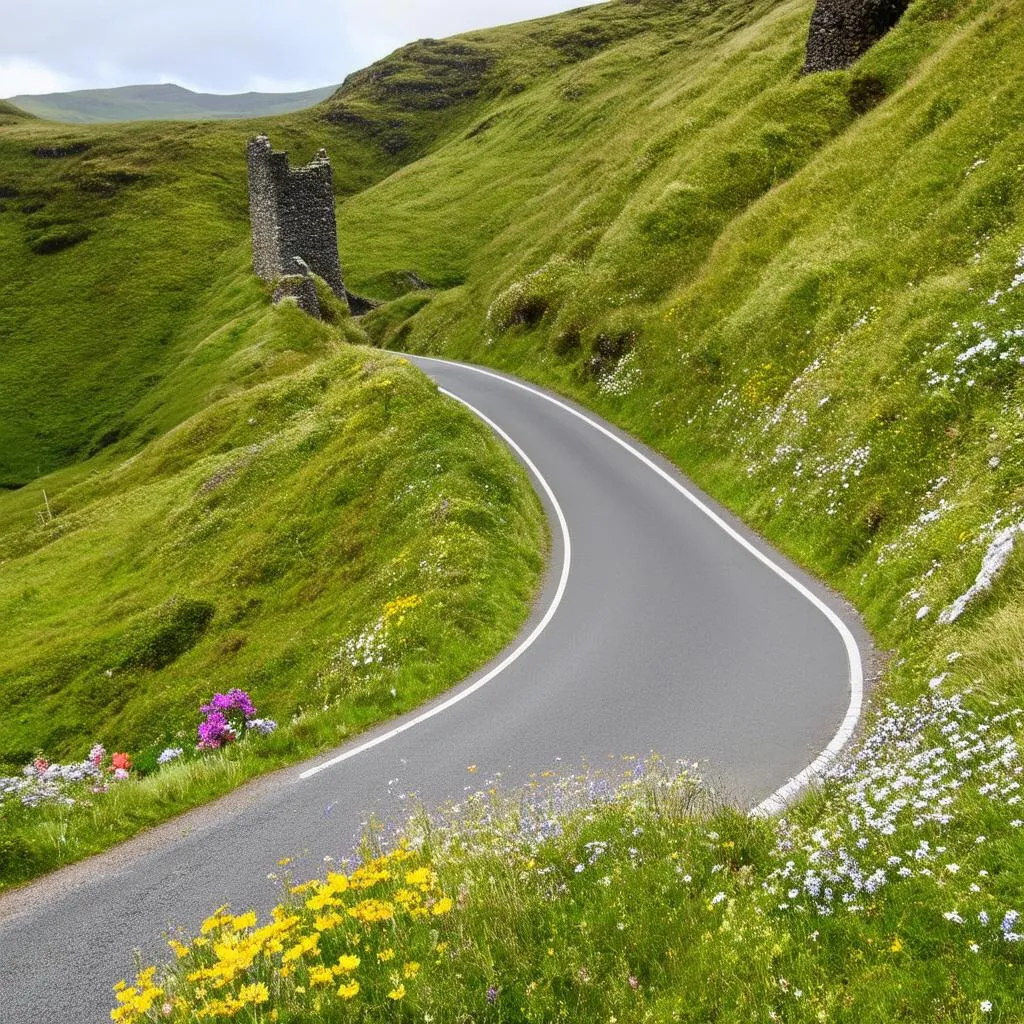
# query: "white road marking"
516,654
778,800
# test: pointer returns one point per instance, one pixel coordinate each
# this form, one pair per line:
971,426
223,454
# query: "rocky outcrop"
842,30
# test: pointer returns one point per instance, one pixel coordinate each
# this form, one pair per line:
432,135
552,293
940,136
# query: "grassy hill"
162,103
201,491
782,282
806,291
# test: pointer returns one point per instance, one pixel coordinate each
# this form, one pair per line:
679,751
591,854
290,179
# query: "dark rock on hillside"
300,286
843,30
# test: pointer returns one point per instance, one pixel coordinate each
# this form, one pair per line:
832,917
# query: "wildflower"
410,970
255,994
397,993
492,993
319,975
634,984
349,990
169,754
121,761
897,945
385,955
346,964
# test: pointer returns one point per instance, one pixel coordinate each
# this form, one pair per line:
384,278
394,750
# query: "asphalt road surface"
658,629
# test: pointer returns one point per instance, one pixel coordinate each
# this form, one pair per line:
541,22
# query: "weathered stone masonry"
843,30
292,215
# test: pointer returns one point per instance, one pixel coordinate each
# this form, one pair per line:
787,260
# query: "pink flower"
120,773
633,983
121,762
41,764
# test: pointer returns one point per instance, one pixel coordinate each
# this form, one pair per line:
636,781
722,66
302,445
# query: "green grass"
780,283
767,277
247,548
202,491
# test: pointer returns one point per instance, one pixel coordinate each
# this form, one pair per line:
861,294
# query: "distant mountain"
10,113
162,103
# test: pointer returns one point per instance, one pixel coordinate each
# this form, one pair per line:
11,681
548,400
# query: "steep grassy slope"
162,102
119,246
201,491
781,282
115,242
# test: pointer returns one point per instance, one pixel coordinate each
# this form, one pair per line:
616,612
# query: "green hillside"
779,281
162,103
808,292
200,491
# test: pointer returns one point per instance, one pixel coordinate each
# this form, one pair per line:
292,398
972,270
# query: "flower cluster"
331,942
46,782
371,647
228,715
896,795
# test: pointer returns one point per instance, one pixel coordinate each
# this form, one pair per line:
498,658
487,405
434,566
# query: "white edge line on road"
778,800
518,652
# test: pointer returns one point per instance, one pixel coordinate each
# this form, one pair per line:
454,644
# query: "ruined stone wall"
842,30
291,211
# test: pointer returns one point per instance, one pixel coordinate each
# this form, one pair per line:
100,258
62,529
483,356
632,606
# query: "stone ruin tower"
292,214
842,30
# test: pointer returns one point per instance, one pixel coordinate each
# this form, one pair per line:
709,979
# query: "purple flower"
215,731
264,726
233,700
492,993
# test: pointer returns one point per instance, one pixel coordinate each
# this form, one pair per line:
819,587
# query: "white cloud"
20,76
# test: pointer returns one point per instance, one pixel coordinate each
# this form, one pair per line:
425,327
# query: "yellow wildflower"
442,906
217,919
180,949
244,921
346,964
410,970
369,911
422,877
323,899
897,945
309,944
320,975
385,955
337,882
256,994
327,922
397,993
349,990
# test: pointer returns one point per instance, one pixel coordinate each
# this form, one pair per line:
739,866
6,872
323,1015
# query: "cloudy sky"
225,45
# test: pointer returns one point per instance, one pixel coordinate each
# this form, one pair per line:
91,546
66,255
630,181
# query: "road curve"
668,630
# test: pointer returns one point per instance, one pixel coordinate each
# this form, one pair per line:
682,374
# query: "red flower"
121,761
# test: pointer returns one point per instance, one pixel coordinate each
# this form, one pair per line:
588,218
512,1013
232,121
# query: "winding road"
663,625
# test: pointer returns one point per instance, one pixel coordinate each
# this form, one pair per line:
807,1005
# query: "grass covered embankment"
205,492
